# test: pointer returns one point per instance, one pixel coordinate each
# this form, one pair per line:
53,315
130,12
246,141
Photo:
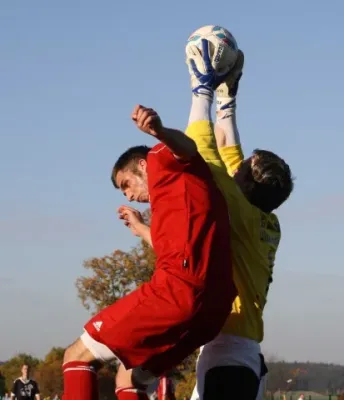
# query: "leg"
223,383
129,388
135,329
80,366
79,370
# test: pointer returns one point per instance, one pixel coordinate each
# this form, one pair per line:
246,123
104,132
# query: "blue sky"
71,72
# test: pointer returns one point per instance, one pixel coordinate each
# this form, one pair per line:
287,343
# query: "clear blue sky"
70,74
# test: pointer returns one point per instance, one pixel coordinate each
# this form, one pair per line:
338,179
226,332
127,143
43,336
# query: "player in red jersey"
190,294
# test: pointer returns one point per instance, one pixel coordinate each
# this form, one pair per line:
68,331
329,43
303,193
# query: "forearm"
226,130
201,130
144,232
180,145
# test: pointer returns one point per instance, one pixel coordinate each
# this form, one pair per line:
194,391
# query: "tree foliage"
49,372
185,387
113,276
317,377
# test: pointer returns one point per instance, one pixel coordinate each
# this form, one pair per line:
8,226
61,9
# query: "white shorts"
227,350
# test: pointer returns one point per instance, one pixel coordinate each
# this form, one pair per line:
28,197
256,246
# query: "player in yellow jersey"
231,366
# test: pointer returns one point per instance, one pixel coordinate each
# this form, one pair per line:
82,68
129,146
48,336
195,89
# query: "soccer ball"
223,48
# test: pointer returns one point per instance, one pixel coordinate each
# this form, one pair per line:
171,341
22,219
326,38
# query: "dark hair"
265,179
129,160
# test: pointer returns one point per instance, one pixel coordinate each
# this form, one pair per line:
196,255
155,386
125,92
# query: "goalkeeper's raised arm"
204,80
226,130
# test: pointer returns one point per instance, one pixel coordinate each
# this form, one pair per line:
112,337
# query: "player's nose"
129,196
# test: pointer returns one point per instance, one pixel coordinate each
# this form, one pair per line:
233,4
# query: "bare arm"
134,221
144,233
148,121
180,145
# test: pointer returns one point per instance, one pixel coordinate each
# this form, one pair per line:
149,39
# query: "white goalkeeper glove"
204,77
227,91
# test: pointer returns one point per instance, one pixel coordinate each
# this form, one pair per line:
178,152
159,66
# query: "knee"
123,377
78,352
137,377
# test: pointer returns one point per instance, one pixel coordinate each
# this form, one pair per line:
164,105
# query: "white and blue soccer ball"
223,48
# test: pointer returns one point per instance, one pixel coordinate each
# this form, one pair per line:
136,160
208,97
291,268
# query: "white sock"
200,109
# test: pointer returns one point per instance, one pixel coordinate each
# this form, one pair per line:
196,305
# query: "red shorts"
162,322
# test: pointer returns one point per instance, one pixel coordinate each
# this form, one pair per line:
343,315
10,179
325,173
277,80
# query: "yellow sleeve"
232,156
202,132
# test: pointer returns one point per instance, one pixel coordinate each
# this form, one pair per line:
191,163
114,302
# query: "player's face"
25,370
133,184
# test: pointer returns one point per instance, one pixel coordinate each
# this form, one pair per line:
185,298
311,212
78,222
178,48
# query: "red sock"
80,381
131,393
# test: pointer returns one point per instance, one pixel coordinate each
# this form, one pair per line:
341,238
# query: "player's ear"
142,165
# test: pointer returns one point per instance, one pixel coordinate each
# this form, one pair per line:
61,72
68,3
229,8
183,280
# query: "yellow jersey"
255,236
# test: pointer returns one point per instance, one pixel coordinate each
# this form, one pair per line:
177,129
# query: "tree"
114,276
186,385
11,369
49,373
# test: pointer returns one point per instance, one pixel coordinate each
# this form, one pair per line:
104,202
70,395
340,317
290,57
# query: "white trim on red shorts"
99,350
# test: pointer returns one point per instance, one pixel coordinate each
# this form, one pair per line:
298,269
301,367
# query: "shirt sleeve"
35,388
232,156
202,132
14,388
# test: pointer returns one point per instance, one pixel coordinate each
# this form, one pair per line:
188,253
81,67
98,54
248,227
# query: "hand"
147,120
204,77
132,219
227,91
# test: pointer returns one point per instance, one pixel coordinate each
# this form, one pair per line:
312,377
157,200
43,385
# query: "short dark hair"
265,179
129,160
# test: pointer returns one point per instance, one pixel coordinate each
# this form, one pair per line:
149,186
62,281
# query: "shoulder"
159,154
158,148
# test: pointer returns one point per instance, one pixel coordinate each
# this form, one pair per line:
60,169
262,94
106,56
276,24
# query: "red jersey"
190,225
191,292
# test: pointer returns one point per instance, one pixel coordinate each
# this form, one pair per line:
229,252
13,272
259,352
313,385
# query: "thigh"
142,326
230,382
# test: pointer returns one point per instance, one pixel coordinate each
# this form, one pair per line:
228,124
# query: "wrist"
141,229
225,104
204,91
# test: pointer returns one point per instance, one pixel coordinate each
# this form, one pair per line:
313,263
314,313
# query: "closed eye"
124,185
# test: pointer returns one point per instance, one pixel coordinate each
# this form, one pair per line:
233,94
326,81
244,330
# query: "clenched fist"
147,120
